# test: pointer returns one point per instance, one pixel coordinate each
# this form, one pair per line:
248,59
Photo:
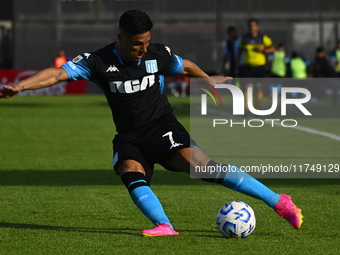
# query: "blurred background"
31,32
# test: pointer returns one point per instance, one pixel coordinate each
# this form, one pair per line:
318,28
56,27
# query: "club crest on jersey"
151,66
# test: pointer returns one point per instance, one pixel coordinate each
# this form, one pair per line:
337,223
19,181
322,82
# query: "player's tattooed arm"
191,70
42,79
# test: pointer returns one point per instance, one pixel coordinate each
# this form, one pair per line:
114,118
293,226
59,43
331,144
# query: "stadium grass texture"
59,194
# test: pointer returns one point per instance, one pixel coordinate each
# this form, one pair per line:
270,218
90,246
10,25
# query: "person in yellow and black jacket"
254,46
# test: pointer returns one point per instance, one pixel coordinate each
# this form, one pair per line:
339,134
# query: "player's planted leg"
148,203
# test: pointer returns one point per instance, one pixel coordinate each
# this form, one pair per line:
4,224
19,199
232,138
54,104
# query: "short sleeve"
267,42
176,65
79,68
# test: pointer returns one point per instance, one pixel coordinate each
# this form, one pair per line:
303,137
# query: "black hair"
135,22
253,20
281,45
294,54
319,49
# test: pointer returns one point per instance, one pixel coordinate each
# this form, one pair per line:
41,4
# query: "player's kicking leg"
239,181
133,176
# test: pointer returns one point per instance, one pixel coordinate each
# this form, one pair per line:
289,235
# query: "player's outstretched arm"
42,79
191,70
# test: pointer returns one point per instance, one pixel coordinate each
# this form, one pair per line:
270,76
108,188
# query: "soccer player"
130,74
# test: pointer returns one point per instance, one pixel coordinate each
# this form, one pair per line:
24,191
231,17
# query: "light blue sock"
244,183
149,204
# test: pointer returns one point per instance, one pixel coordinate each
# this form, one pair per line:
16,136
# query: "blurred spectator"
179,86
61,58
336,59
230,52
298,66
185,86
279,62
278,67
254,45
298,70
321,67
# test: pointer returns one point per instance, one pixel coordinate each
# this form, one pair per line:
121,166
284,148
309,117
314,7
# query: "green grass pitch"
59,194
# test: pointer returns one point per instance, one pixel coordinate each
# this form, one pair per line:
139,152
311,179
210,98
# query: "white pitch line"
306,129
317,132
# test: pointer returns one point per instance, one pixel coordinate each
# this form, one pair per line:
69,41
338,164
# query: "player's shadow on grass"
210,233
109,177
118,231
79,178
211,236
125,231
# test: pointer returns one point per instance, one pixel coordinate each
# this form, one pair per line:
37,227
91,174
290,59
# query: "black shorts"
154,143
252,71
251,74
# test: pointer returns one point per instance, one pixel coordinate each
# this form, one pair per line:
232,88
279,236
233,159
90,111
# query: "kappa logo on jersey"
132,86
151,66
112,68
172,141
